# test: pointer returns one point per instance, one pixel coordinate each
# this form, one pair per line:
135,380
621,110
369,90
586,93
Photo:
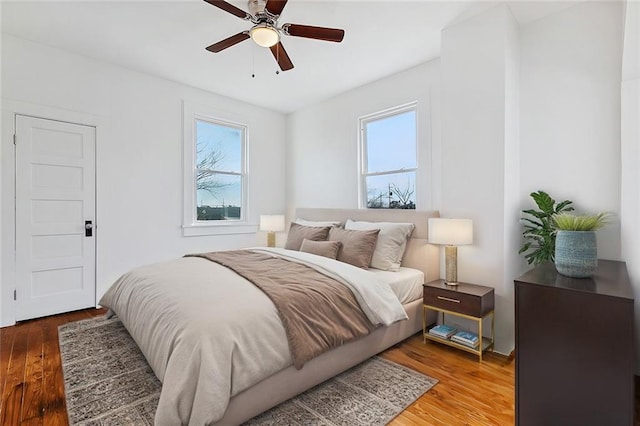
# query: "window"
219,170
215,175
388,159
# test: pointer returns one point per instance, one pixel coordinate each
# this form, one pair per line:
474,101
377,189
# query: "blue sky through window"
391,147
391,143
219,148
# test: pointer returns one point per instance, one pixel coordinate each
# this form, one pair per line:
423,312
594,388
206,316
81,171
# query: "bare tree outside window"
395,197
205,175
219,171
404,196
375,200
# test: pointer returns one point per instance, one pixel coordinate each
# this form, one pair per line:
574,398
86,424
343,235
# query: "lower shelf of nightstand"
486,344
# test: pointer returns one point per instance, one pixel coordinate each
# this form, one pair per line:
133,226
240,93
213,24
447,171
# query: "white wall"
480,149
630,207
562,72
1,186
570,111
322,140
139,154
514,263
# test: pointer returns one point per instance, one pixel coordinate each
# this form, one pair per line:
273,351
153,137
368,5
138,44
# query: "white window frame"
191,226
363,171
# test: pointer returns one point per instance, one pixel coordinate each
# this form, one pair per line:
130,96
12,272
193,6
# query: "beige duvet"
209,334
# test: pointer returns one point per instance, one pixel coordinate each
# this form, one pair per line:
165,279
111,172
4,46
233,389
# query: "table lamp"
272,224
451,233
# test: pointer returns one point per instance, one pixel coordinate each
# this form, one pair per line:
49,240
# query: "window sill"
218,229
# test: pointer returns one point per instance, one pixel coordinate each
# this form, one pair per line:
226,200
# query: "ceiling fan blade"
228,42
275,6
281,57
228,7
318,33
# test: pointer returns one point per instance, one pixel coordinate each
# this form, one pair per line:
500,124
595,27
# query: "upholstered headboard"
419,254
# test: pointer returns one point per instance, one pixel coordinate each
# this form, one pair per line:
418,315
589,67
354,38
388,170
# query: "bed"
225,372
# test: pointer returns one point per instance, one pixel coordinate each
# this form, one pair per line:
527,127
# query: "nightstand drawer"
453,301
467,299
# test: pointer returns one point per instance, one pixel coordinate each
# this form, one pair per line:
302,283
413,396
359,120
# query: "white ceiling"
168,39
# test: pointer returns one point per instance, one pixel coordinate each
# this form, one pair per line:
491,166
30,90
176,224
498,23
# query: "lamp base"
271,239
451,264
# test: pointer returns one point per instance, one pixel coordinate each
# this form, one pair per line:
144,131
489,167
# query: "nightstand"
470,301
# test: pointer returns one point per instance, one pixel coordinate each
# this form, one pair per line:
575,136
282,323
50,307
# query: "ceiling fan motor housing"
257,6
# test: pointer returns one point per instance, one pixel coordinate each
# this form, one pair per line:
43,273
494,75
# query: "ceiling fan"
264,14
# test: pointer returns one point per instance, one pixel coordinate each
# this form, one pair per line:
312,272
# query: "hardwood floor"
469,392
31,382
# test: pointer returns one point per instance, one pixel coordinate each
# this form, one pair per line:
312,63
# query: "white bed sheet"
406,283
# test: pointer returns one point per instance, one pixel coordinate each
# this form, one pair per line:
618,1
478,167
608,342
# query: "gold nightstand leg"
480,336
493,331
424,323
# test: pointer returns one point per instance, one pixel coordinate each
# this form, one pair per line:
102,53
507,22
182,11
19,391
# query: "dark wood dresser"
574,347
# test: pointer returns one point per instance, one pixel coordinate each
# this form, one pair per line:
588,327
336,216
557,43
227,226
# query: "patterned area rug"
108,382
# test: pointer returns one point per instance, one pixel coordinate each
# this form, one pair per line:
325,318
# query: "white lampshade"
454,232
272,223
264,35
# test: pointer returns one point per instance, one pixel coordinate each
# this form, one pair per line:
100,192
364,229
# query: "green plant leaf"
535,213
564,206
543,201
535,223
539,231
524,248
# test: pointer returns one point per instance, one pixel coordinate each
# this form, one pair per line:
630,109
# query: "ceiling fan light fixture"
264,35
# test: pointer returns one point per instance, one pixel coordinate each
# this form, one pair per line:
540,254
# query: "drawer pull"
448,299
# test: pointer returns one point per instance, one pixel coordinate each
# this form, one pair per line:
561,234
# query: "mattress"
406,283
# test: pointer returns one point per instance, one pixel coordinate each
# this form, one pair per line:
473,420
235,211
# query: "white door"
55,203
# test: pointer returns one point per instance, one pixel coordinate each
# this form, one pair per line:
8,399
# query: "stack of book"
466,338
442,331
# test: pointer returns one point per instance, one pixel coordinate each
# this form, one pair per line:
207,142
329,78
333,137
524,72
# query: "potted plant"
539,232
576,253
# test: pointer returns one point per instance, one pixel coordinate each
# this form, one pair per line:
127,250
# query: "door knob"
88,228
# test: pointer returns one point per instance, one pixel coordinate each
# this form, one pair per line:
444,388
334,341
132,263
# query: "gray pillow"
357,246
297,233
321,248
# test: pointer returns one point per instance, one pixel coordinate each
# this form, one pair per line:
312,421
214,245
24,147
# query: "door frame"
10,109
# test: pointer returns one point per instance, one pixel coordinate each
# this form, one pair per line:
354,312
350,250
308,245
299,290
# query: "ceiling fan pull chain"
253,62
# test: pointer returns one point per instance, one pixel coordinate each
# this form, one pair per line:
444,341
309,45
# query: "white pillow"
392,242
315,223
